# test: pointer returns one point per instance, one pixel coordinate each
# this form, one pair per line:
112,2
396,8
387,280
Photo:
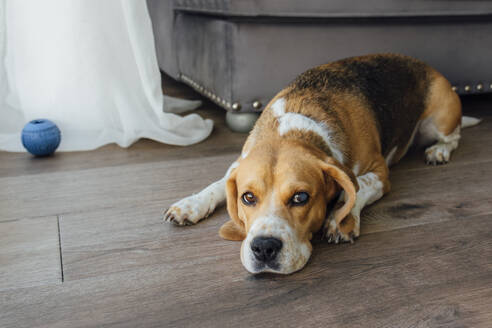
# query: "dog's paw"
187,211
346,231
437,154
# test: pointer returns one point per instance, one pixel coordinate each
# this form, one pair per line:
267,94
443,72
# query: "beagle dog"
320,152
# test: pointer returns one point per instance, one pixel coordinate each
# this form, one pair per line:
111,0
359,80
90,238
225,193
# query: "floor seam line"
60,248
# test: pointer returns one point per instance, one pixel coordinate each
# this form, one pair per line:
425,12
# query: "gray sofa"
239,53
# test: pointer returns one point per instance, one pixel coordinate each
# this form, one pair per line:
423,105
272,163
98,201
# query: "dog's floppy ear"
346,180
234,228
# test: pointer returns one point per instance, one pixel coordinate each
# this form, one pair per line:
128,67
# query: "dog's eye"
249,198
299,198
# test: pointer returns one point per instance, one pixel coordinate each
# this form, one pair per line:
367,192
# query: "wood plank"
108,187
431,194
29,253
122,239
118,238
435,275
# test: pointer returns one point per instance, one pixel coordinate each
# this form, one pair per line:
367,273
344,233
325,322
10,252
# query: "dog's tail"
468,121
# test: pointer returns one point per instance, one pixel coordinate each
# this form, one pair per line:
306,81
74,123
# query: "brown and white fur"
330,135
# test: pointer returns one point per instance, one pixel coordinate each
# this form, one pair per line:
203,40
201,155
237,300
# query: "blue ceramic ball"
41,137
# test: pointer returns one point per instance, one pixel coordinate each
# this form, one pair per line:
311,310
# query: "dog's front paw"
188,211
346,231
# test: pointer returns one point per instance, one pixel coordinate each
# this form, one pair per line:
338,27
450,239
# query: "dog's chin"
257,267
262,267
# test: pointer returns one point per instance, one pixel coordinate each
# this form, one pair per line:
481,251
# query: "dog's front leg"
372,186
196,207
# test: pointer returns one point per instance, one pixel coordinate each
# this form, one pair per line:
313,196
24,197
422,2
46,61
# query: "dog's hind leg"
196,207
441,122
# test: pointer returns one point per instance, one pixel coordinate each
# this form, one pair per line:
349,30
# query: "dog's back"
394,87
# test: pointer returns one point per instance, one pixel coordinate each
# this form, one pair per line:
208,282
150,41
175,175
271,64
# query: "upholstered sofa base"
240,62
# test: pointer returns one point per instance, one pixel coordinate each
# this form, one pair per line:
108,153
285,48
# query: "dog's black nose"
266,249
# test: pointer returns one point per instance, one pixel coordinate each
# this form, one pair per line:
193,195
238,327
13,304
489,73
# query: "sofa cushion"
336,8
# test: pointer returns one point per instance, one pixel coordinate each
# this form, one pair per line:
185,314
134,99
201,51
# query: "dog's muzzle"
273,246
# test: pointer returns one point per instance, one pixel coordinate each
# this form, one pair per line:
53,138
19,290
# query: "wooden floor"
82,244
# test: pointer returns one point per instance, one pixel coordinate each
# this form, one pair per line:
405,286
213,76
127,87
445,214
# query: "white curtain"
90,66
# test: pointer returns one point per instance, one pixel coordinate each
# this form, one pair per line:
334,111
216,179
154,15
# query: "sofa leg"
241,122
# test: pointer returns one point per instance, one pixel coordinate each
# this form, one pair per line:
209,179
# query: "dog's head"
277,197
